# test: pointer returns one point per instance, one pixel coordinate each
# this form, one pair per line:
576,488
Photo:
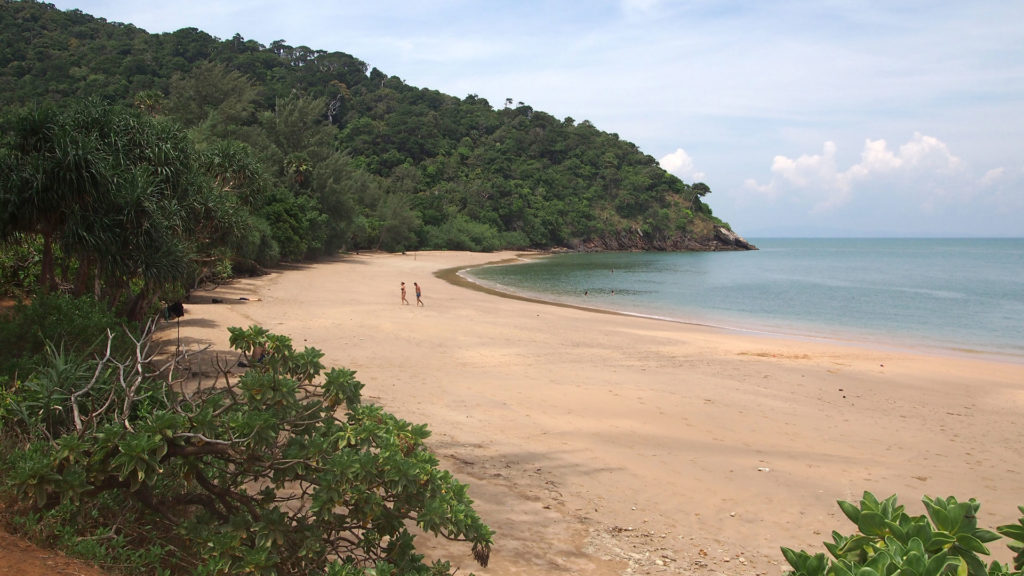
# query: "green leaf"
852,512
868,501
937,512
914,562
985,535
794,558
975,567
937,564
939,541
842,568
896,530
872,524
1012,531
971,543
817,565
916,545
855,544
879,562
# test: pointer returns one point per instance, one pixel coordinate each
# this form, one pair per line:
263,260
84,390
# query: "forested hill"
329,154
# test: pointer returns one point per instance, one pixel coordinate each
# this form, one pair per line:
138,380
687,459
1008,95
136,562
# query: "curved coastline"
602,443
455,277
461,276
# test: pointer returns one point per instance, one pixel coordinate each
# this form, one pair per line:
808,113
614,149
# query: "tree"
119,199
213,95
399,223
297,224
297,107
284,471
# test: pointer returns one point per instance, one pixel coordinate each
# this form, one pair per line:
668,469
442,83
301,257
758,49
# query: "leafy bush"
76,325
283,472
890,542
20,260
461,233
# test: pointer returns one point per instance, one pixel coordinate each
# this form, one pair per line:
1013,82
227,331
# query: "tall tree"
120,200
212,96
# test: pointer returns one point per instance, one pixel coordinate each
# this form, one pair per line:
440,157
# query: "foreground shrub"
76,325
891,542
283,472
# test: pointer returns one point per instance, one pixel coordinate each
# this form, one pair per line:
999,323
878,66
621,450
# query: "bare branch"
99,368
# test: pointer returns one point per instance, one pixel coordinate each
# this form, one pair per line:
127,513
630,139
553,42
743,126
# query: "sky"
816,118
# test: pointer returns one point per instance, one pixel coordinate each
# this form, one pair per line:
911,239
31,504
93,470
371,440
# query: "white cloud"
992,176
818,179
677,162
930,152
808,169
681,164
877,157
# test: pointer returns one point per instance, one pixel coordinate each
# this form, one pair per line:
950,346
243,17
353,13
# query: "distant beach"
608,444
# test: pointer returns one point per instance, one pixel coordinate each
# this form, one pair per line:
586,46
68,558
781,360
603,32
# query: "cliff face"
634,241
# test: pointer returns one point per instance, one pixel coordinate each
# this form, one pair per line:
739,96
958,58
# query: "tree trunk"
48,281
82,278
139,305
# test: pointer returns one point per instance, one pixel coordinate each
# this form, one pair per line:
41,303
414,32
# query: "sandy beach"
604,444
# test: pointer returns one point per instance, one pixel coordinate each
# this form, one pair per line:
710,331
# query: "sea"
950,296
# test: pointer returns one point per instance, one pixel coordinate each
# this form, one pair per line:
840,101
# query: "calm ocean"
954,295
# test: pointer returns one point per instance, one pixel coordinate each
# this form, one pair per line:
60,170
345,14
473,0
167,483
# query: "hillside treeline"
291,153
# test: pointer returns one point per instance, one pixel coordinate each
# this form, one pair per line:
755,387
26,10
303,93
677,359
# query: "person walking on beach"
404,301
418,294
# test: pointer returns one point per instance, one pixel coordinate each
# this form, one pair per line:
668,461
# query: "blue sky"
806,118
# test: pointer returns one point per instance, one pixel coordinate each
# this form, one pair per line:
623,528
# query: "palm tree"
53,172
120,197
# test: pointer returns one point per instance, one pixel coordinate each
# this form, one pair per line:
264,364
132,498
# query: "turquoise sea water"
956,295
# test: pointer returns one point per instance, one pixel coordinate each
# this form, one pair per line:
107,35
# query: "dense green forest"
329,156
134,166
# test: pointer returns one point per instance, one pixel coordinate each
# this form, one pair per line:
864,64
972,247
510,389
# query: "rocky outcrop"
635,241
730,238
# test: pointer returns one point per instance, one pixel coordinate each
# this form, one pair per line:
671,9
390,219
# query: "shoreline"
613,444
845,337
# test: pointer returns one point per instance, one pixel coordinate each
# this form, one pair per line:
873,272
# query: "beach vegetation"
310,153
109,454
116,204
947,541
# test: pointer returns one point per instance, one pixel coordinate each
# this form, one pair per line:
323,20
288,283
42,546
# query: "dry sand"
605,444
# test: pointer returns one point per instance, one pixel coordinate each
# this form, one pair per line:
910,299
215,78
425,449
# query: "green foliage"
118,201
285,471
20,261
214,96
398,223
461,233
370,162
889,542
1015,532
31,329
297,226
